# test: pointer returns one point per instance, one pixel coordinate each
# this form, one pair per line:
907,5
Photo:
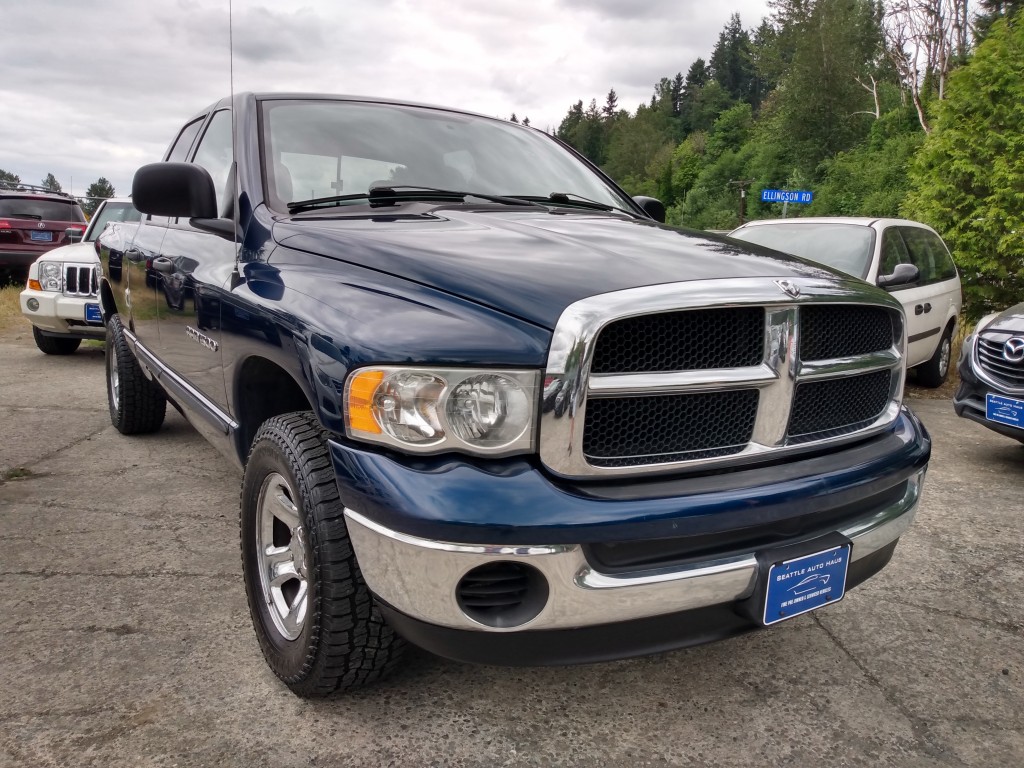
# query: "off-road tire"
934,372
344,642
137,405
54,345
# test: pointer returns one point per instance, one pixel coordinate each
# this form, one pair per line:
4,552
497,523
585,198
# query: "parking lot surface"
128,641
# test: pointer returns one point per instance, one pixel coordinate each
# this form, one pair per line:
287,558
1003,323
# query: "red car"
34,220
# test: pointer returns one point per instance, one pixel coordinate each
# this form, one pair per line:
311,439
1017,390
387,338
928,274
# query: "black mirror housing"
652,206
903,274
174,189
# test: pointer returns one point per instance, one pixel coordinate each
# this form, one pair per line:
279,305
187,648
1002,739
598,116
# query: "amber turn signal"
361,390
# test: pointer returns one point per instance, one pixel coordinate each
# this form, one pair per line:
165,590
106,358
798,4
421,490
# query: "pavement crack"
919,726
1004,625
63,448
45,573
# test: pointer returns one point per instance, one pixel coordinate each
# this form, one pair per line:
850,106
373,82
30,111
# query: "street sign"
786,196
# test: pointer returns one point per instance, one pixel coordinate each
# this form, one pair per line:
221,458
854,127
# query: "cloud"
97,89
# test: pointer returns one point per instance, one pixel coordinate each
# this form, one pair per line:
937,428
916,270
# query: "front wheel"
317,624
137,405
54,345
933,373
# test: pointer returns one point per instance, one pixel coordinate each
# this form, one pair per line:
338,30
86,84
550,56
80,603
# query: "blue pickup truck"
485,402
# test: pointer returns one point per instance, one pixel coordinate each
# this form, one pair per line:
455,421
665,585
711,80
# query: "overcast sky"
99,88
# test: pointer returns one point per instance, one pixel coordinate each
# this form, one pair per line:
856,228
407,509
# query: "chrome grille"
676,341
631,431
80,280
749,373
989,349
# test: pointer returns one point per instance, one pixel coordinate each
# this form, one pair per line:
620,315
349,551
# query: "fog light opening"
503,594
32,304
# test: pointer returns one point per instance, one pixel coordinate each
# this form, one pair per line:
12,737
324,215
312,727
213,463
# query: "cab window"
179,151
214,153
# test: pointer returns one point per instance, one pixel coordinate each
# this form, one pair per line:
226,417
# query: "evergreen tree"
567,128
9,179
611,105
968,178
51,183
514,119
731,62
697,77
99,189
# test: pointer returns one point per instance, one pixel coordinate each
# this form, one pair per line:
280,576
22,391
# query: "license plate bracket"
92,313
801,584
40,237
1004,410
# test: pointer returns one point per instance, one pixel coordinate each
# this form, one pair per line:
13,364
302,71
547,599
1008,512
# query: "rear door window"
214,153
184,141
40,209
894,251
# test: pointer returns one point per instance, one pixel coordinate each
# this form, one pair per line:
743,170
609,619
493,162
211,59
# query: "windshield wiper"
389,195
572,199
32,216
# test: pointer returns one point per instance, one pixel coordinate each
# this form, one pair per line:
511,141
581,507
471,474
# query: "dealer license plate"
92,313
804,583
41,237
1004,410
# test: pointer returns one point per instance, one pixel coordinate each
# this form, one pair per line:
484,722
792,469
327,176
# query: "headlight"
433,410
50,275
984,322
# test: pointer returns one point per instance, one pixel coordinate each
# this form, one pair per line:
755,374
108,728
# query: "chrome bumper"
419,576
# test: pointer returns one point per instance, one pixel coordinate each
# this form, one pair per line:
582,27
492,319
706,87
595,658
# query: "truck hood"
529,263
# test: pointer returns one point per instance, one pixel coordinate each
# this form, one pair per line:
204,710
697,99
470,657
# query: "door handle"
919,309
163,264
927,307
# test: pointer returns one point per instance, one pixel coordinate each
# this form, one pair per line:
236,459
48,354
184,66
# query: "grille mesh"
831,331
632,431
990,357
682,341
825,408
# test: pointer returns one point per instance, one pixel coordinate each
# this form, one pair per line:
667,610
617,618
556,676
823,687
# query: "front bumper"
61,315
969,400
418,577
418,527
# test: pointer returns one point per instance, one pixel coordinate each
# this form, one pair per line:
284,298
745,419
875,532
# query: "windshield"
40,208
846,247
316,149
108,213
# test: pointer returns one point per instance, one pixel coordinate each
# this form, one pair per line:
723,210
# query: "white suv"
60,299
905,258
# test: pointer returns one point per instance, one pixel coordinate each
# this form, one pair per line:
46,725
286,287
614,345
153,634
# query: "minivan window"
928,254
846,247
894,251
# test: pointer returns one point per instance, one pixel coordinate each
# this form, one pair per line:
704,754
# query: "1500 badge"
202,338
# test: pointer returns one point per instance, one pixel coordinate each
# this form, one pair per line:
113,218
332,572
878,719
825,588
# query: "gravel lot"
128,641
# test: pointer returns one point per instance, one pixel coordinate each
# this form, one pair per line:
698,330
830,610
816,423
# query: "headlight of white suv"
423,410
50,275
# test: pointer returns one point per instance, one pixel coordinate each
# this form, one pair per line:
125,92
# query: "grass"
10,309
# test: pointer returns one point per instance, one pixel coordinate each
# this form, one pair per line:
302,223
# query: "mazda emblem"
1013,350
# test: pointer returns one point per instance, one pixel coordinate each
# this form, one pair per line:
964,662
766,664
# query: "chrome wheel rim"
115,377
281,556
944,358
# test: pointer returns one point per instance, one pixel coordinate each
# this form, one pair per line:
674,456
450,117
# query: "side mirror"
73,235
652,207
174,190
903,274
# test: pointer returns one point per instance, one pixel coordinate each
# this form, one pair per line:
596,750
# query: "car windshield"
108,213
320,149
40,208
846,247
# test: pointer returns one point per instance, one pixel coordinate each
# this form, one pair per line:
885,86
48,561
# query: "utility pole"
742,184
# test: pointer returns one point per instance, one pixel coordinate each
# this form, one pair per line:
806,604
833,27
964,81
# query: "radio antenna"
234,148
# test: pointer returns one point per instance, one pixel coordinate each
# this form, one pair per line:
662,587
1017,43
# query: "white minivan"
904,257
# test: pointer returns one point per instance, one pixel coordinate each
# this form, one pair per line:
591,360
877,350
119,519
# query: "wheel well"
263,390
